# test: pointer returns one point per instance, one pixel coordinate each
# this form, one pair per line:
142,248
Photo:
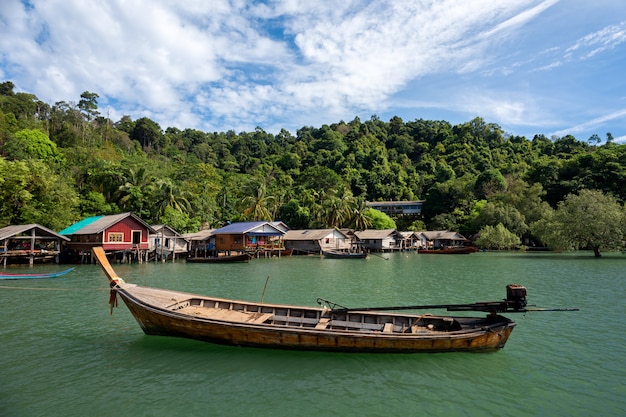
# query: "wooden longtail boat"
244,257
328,328
335,254
452,250
7,275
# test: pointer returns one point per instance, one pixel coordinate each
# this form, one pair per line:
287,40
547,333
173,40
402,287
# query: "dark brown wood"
245,257
458,250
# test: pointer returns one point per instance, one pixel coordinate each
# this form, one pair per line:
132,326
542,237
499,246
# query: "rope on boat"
112,298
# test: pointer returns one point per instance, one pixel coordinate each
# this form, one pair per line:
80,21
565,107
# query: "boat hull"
461,250
221,259
344,255
480,334
7,275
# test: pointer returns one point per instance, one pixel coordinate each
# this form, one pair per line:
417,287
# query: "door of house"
136,237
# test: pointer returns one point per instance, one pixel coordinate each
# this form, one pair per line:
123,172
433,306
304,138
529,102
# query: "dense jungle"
63,162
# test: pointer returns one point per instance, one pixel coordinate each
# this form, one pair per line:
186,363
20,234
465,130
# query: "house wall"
177,244
126,227
230,242
379,244
334,243
334,240
308,246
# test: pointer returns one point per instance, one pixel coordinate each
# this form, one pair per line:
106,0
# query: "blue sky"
531,66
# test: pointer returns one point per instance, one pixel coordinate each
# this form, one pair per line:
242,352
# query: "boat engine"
516,296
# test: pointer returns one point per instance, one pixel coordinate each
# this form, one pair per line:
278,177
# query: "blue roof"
79,225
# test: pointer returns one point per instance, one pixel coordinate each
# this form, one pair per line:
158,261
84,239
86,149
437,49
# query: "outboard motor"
516,296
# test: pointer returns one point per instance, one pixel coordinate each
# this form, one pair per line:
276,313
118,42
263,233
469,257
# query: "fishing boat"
8,275
449,250
244,257
336,254
329,327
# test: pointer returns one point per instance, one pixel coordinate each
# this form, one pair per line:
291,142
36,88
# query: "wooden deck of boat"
227,315
157,297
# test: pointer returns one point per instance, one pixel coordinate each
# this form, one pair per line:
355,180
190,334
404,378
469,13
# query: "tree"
258,206
89,104
379,220
589,219
490,214
489,182
31,143
148,133
360,219
31,193
497,237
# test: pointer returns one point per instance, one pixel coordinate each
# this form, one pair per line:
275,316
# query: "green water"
63,354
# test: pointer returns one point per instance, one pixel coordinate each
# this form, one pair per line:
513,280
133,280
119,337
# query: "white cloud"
599,41
230,64
593,124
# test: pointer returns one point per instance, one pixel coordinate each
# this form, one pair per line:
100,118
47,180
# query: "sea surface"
62,353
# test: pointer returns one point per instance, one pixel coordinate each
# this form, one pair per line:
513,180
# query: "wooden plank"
226,315
262,318
323,323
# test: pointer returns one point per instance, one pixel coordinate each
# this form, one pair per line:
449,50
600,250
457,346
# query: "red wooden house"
122,233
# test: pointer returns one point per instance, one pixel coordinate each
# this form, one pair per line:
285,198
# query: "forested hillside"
63,162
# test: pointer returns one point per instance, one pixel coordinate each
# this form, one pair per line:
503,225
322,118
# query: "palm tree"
131,194
167,194
258,206
337,207
359,219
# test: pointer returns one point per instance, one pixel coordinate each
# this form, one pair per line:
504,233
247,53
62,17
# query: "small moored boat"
329,327
449,250
244,257
336,254
8,275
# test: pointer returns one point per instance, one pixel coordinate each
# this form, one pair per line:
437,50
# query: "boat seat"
419,330
388,328
262,318
323,323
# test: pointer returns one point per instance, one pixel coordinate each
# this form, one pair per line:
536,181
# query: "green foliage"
380,220
489,182
590,219
498,213
417,226
31,193
31,143
471,175
179,220
498,237
95,204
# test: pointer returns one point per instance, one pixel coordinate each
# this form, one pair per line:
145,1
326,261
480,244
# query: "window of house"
116,237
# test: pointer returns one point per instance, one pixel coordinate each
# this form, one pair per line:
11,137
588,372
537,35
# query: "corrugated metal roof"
375,234
259,228
163,227
201,235
442,234
97,224
79,225
40,231
313,234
